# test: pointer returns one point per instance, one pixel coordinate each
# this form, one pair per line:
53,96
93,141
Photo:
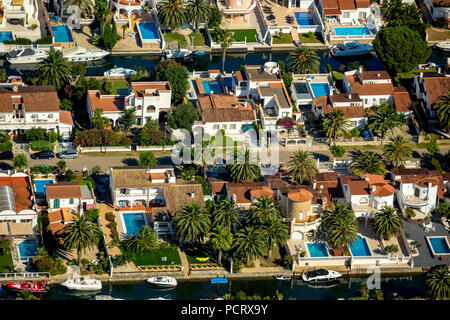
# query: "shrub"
149,136
20,161
147,159
19,41
286,122
110,216
354,133
66,104
215,19
40,145
337,151
92,215
101,137
432,147
45,40
410,213
85,261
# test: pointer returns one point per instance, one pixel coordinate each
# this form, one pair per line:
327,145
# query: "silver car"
68,154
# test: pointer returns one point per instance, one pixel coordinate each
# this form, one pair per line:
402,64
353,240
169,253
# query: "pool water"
211,87
62,34
352,31
320,89
133,222
317,249
360,248
440,245
5,35
304,19
228,81
148,30
40,187
27,249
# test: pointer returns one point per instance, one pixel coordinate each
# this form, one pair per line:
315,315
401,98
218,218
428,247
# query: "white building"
428,87
345,11
69,196
439,10
22,10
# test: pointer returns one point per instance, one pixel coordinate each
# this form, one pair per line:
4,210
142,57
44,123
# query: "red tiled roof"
224,108
362,3
242,190
65,117
346,5
402,100
64,190
383,190
331,11
107,103
34,98
300,195
21,189
436,87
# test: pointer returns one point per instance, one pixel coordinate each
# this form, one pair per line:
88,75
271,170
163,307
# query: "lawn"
118,84
153,258
199,39
239,35
310,37
173,36
193,253
275,256
283,38
6,262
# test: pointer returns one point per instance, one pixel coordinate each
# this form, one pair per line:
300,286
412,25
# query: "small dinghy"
36,287
283,277
163,282
444,45
82,284
199,53
219,280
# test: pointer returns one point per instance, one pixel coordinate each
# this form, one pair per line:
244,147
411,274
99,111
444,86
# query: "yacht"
117,72
351,48
28,55
444,45
82,284
320,275
81,54
163,282
179,53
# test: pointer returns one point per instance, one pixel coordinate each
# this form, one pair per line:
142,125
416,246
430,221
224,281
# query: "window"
232,126
2,118
216,127
224,126
346,14
362,15
56,203
363,201
71,201
50,115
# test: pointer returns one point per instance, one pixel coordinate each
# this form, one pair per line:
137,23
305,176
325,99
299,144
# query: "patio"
372,239
276,15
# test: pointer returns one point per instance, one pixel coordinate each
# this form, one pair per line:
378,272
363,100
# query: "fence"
104,149
106,247
154,148
24,275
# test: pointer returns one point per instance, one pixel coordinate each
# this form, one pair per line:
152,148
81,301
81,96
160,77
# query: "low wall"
154,148
104,149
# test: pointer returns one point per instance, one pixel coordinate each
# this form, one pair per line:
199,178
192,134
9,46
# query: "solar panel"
301,88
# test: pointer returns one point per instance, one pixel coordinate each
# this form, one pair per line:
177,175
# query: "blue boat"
199,53
219,280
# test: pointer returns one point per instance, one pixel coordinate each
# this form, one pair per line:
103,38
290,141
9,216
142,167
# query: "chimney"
373,188
439,70
192,194
234,198
15,87
360,69
314,184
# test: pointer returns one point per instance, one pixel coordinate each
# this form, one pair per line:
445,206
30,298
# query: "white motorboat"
104,297
82,284
118,72
351,48
444,45
283,277
179,53
27,55
320,275
163,282
81,54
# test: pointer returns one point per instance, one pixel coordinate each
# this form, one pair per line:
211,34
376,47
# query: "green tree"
243,170
391,249
301,167
403,14
249,243
400,49
335,123
215,18
442,106
337,151
172,13
178,76
225,38
54,70
432,147
86,6
397,151
264,209
444,210
20,161
384,118
438,283
145,240
61,165
198,11
183,116
81,235
102,14
368,163
225,214
221,239
192,224
128,118
387,223
147,158
98,121
340,225
275,232
303,60
109,38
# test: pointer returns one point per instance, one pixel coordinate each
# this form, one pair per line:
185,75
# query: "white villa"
69,196
22,10
439,9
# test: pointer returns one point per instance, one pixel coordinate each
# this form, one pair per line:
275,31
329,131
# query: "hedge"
40,145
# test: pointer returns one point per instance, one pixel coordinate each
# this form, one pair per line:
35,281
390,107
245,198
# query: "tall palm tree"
442,105
191,223
54,69
334,123
275,232
102,13
226,214
246,171
249,243
221,239
80,234
145,240
398,151
301,167
263,209
333,212
172,13
86,6
384,118
340,225
206,154
303,60
225,38
368,163
438,283
98,121
198,11
387,223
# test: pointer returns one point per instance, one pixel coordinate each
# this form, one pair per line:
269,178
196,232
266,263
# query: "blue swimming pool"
439,245
62,33
5,35
148,30
27,249
211,86
304,18
39,186
352,31
320,89
228,81
360,248
133,222
317,249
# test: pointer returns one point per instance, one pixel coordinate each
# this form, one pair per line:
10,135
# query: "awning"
20,229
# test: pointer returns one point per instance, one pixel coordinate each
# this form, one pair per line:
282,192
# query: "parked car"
6,155
43,155
68,154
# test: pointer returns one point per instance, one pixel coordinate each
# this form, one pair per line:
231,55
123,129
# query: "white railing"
24,275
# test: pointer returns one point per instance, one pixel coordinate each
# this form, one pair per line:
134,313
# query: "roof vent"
378,74
373,188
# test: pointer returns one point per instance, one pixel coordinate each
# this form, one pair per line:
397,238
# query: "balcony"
415,202
221,4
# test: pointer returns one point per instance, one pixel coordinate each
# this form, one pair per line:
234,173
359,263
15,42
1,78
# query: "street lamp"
164,142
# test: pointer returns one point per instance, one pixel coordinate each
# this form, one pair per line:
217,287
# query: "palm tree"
102,13
398,151
246,171
206,154
98,120
145,240
249,243
340,225
191,223
384,119
54,69
368,163
438,283
198,11
335,122
301,167
85,6
226,214
333,212
225,38
303,60
172,13
275,232
387,223
124,28
442,105
221,239
263,209
81,235
27,295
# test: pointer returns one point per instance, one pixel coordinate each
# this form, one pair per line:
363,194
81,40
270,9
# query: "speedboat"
117,72
81,54
320,275
351,48
199,53
179,53
82,284
283,277
36,287
430,65
444,45
27,55
163,282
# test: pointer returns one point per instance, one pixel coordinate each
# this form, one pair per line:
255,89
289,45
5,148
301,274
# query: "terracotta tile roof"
362,3
242,190
346,97
239,75
332,11
360,186
402,100
346,5
383,190
65,117
55,216
258,192
357,185
107,103
441,3
327,176
21,189
369,89
318,195
300,195
57,228
330,4
375,75
224,108
349,112
64,190
218,185
277,182
158,176
436,87
34,98
278,90
152,86
136,176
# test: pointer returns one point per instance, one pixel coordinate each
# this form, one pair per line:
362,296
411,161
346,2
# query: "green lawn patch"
199,39
310,37
410,74
6,263
173,36
118,84
193,253
282,38
156,257
239,35
337,75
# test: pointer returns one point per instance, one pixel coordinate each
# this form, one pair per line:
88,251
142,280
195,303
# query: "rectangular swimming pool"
148,30
62,33
39,186
318,249
320,89
5,35
27,249
351,31
211,86
360,248
304,18
439,245
133,222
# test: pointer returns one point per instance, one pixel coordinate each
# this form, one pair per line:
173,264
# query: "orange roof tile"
65,117
224,108
300,195
21,189
107,103
64,190
402,100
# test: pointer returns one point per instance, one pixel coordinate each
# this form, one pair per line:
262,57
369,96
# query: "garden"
6,262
